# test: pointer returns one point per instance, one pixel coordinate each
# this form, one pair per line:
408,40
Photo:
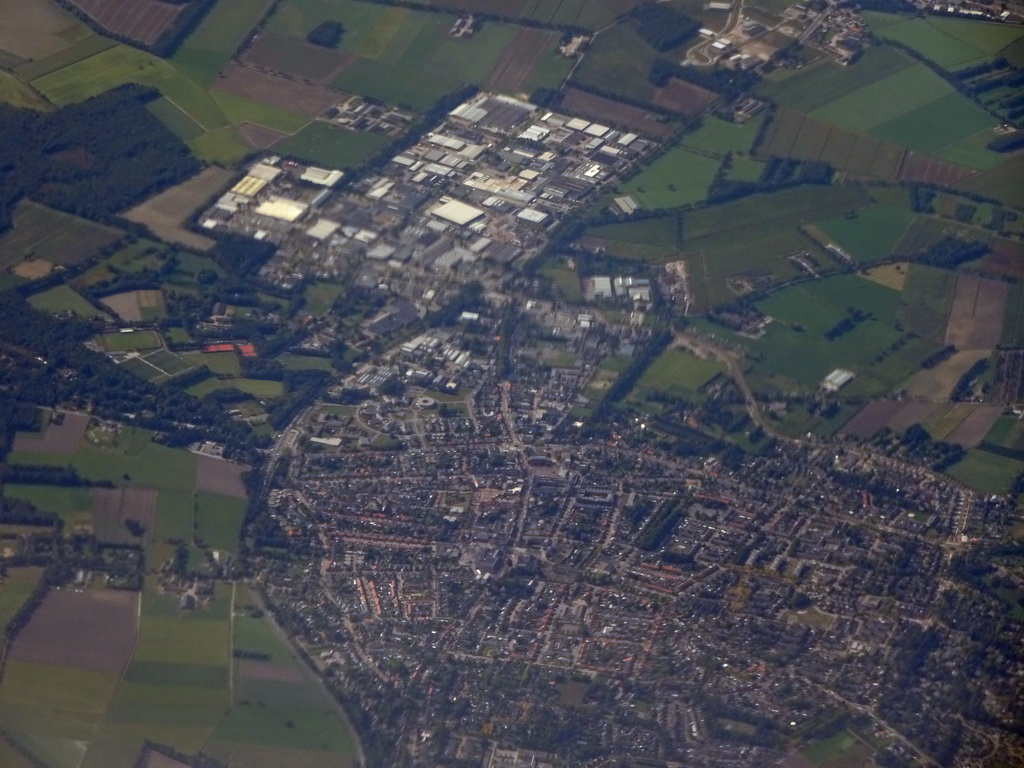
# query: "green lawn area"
720,136
566,281
73,505
986,472
618,60
130,459
678,177
17,585
305,362
950,43
218,36
321,144
744,169
223,363
64,299
320,296
219,520
677,374
795,351
125,342
870,234
262,388
926,301
16,92
843,746
242,110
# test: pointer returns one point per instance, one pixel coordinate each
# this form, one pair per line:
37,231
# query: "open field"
720,136
1013,322
324,145
83,49
35,29
17,585
57,237
295,57
280,92
113,508
220,476
63,299
101,621
219,520
677,374
951,43
166,212
142,20
972,430
223,363
870,234
72,504
843,749
618,60
516,66
684,97
937,384
261,388
857,155
172,116
579,102
63,434
986,472
678,177
208,49
136,306
976,318
1001,182
795,352
320,296
130,340
15,92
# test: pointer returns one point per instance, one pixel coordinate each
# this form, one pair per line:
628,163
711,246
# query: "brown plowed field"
100,623
281,53
219,476
976,320
112,507
685,98
1007,258
932,171
142,20
910,413
599,108
871,419
165,212
520,59
310,100
972,430
57,438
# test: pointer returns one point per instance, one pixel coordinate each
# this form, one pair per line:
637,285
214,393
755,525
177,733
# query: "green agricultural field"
221,363
17,585
171,115
14,91
60,238
927,300
618,60
221,32
1002,182
320,296
659,234
871,234
321,144
130,458
940,126
261,388
73,505
63,299
820,84
304,363
986,472
242,110
950,43
679,177
744,169
1013,320
720,136
218,521
123,64
677,374
223,145
795,351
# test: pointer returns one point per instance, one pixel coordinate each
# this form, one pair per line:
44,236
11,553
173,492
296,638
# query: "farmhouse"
836,380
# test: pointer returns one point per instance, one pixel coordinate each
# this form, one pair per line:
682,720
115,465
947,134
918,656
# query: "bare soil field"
130,305
1007,258
102,623
165,213
972,430
276,91
936,384
599,108
142,20
63,435
932,171
1009,386
281,53
976,320
683,97
34,29
890,275
33,269
112,507
519,60
259,136
276,673
871,419
910,413
220,476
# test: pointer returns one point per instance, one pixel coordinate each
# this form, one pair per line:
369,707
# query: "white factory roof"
456,212
322,176
532,215
596,129
535,133
264,171
469,112
249,186
627,139
578,124
323,229
839,378
280,208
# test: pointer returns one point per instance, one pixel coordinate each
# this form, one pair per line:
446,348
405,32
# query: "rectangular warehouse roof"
456,212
